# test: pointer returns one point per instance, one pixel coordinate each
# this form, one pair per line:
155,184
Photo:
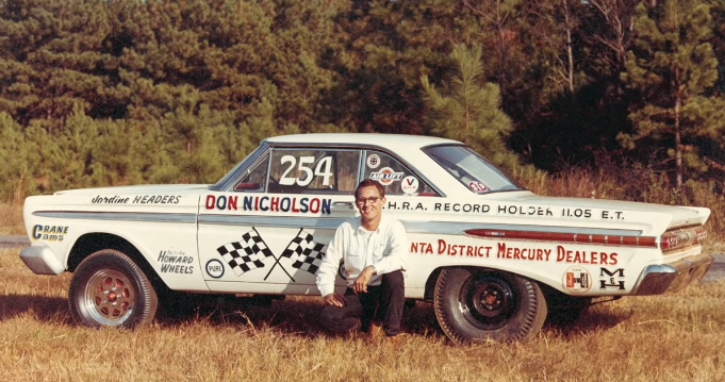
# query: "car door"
268,233
410,199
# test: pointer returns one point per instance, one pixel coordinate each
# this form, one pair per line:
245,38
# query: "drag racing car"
493,258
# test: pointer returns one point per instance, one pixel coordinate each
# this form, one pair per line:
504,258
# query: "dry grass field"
677,337
12,219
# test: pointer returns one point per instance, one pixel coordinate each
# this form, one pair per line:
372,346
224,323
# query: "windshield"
471,169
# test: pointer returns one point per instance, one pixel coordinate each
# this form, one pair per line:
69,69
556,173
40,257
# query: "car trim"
473,228
570,237
41,260
127,216
265,221
669,278
227,182
425,227
668,242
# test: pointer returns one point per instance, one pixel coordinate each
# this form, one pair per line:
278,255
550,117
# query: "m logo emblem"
611,279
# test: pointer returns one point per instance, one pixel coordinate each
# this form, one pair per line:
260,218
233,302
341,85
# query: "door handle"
342,205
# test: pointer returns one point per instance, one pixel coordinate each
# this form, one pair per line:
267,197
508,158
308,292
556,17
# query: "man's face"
369,209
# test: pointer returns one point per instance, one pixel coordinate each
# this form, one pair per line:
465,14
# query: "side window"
394,176
348,169
253,180
315,171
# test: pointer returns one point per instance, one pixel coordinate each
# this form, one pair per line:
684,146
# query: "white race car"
492,257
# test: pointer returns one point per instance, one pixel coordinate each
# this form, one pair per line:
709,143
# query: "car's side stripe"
669,241
268,221
411,226
122,216
564,237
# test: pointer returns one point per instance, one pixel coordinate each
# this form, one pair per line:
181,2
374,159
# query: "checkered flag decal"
247,254
306,254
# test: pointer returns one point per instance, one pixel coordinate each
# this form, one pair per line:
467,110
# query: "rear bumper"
41,260
665,278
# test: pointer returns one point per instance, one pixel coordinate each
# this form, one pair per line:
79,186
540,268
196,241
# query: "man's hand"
335,300
362,281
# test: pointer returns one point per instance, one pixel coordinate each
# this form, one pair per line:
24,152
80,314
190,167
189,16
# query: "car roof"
388,141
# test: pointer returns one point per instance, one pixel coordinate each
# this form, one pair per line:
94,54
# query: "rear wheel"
481,305
109,289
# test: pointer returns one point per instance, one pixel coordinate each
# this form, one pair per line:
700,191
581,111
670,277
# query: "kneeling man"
373,251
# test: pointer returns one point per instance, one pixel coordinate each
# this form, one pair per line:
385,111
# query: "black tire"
109,289
482,305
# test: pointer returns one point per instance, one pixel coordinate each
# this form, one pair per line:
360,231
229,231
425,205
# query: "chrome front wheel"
109,289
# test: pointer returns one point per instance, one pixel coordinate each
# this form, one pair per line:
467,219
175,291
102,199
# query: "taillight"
682,238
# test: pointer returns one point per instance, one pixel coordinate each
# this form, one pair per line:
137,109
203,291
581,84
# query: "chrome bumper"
41,260
665,278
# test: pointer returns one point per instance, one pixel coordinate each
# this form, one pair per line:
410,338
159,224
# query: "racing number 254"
304,169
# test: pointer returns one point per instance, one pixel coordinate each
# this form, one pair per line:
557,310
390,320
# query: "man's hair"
370,183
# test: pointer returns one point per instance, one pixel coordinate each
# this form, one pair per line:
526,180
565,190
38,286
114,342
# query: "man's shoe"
391,341
376,330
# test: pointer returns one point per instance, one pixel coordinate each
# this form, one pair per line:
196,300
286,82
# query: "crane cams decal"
49,232
252,253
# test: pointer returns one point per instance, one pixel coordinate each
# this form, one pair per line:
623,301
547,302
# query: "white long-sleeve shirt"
386,249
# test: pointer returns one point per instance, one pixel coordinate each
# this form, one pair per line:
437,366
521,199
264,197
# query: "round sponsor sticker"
373,160
577,279
386,176
215,268
409,185
478,187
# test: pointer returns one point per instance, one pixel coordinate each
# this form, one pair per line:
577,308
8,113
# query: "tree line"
108,92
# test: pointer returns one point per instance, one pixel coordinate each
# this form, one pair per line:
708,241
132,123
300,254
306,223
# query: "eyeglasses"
372,200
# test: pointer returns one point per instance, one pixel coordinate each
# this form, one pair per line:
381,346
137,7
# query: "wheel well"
430,283
559,300
93,242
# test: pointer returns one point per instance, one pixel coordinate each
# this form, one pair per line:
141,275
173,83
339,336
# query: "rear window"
471,169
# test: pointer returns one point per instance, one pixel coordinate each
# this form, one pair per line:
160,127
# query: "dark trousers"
383,303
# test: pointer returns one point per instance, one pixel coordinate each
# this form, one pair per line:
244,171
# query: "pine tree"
535,54
390,44
671,69
234,53
468,109
16,170
53,57
718,42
